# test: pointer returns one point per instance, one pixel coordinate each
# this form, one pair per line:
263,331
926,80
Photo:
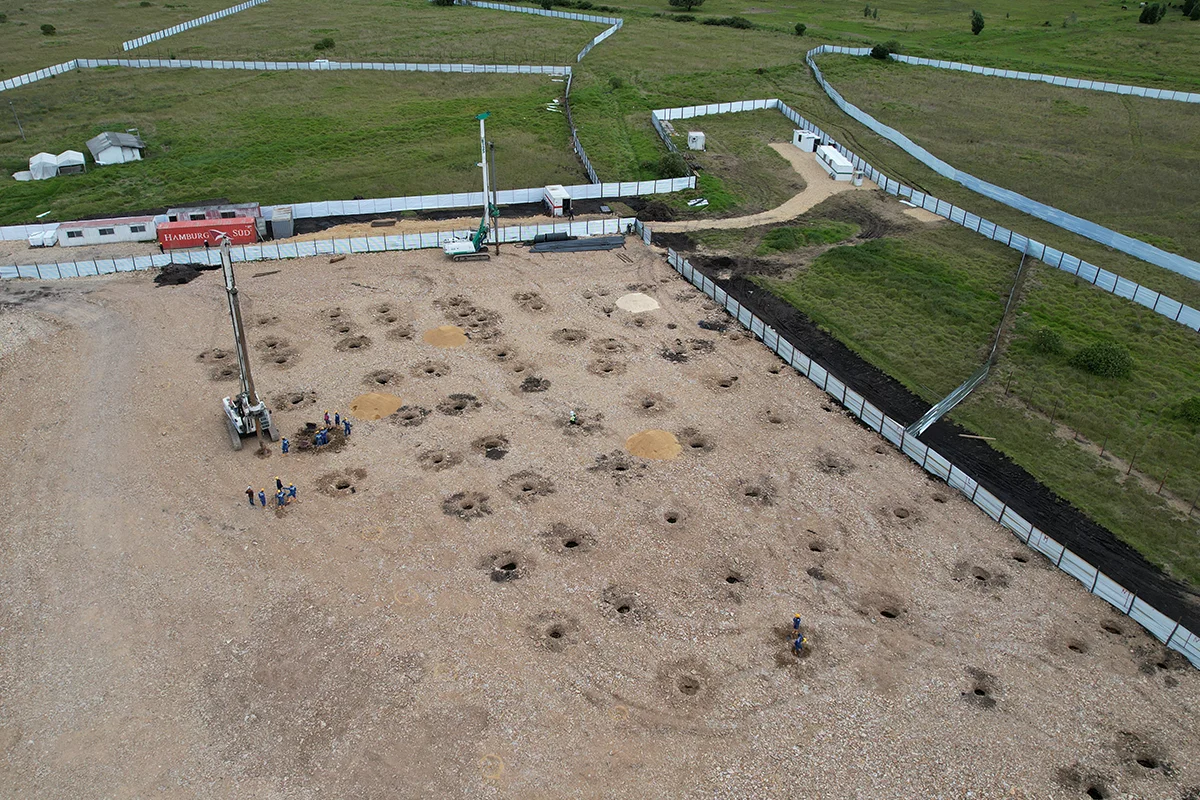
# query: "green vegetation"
923,307
738,171
1152,14
686,5
780,240
801,28
325,44
976,23
1133,172
1144,409
86,29
49,30
305,136
395,30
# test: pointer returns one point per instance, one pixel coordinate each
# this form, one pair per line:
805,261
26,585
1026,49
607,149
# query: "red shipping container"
195,232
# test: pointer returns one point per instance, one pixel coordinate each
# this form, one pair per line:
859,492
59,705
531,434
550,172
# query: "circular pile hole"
688,685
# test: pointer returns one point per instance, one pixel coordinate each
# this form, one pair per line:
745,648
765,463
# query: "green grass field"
384,30
1128,163
1097,41
304,136
923,306
86,28
737,170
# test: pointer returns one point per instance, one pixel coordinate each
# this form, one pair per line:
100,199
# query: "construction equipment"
245,413
475,248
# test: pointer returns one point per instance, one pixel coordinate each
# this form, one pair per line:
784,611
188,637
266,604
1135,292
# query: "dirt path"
820,188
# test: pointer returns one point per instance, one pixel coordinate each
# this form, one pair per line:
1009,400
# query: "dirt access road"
473,598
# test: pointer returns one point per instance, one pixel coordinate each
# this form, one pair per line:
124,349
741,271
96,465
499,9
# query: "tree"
881,52
976,22
1152,13
867,11
801,28
686,5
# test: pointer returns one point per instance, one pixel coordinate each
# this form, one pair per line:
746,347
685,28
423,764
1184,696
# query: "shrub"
443,2
546,4
145,4
324,44
881,52
741,23
3,18
867,11
684,18
1045,340
976,22
1189,410
1106,359
1188,5
801,28
686,5
1152,13
1195,12
672,165
892,46
48,30
615,82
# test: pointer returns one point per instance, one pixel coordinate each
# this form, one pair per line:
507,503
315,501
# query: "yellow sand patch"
445,336
653,444
375,405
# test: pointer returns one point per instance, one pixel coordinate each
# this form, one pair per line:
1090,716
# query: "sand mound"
445,336
636,303
375,405
653,444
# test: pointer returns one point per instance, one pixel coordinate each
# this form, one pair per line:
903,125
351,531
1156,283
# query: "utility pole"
18,119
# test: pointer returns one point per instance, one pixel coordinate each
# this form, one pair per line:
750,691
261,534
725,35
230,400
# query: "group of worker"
283,494
799,643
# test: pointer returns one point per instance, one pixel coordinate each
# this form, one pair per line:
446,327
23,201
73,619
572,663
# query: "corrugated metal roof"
193,224
98,144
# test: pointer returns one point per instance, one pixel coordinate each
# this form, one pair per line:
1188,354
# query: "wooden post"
1054,412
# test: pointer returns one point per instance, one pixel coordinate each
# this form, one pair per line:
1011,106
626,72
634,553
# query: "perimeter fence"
1101,278
1169,631
1070,222
319,66
319,247
183,26
1056,80
615,23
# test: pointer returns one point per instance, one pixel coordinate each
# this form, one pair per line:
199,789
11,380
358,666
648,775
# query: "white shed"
47,238
43,166
833,162
558,200
805,140
116,148
106,231
695,140
70,162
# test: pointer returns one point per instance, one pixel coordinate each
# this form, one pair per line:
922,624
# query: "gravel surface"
474,598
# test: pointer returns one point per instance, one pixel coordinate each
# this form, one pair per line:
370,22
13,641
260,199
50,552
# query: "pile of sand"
653,444
637,302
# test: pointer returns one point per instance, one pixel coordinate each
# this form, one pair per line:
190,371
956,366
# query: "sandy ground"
473,598
819,187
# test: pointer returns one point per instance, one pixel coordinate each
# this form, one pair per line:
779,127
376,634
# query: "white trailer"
836,164
557,200
107,231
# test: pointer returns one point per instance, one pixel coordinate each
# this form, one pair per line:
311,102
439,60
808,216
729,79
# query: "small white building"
833,162
116,148
70,162
695,140
107,231
558,200
805,140
43,166
47,238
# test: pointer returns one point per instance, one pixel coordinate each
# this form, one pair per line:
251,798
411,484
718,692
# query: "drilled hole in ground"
688,685
341,484
889,612
623,609
1096,792
733,579
1110,628
902,513
1147,762
1020,558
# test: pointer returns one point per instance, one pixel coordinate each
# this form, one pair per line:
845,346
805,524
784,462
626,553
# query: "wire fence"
1056,80
1070,222
278,252
1167,630
184,26
1101,278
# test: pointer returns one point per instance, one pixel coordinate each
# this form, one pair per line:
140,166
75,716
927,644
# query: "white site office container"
805,140
106,231
836,164
558,200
